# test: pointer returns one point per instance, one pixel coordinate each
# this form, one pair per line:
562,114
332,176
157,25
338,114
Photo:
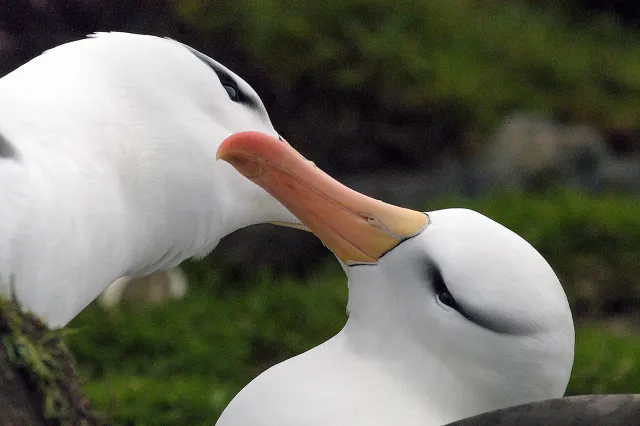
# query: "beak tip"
238,143
223,150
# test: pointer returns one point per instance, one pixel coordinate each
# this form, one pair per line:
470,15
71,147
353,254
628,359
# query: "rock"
621,174
155,288
610,410
528,152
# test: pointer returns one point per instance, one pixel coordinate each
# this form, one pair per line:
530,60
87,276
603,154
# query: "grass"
605,362
183,362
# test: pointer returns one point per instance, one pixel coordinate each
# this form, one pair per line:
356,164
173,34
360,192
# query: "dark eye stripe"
482,319
226,79
440,288
7,150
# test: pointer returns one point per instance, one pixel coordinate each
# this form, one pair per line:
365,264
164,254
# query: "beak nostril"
373,221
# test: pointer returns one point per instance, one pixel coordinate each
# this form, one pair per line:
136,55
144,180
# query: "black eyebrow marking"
7,150
244,98
482,319
438,284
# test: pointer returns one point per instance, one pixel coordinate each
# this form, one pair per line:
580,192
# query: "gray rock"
530,152
610,410
156,288
621,174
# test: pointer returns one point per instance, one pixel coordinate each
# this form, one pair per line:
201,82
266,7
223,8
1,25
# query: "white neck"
382,337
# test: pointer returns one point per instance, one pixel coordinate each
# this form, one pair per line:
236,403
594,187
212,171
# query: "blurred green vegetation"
478,59
183,362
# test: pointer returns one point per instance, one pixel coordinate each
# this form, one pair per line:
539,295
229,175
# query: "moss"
40,358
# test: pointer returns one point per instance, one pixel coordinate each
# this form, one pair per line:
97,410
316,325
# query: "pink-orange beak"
356,228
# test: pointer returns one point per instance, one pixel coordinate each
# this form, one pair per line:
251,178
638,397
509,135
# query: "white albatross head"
113,144
453,306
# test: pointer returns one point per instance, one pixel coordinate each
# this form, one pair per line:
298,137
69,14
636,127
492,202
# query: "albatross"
450,313
108,167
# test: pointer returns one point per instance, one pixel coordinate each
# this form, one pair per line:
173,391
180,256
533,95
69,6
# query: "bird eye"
231,91
446,298
442,292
